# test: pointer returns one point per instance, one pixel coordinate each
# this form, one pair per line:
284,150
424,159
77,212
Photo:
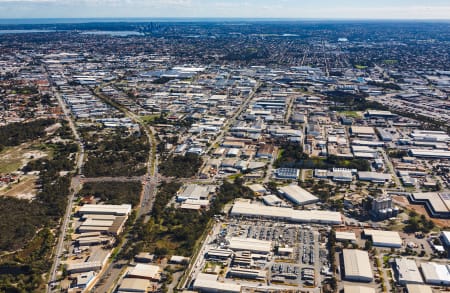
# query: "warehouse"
134,285
407,272
209,283
375,177
358,289
437,204
116,210
384,238
436,274
362,131
429,154
357,265
272,200
83,267
345,236
145,271
194,191
297,195
247,273
418,288
287,173
250,244
445,236
246,209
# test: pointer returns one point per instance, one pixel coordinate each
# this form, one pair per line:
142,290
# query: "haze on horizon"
296,9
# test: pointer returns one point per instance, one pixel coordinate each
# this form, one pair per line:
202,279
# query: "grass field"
352,114
12,158
360,66
149,118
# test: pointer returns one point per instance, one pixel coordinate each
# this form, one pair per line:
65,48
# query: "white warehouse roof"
436,274
247,209
357,265
384,238
358,289
298,195
118,210
407,271
209,283
250,244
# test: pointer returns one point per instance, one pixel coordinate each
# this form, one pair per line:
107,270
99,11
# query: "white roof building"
209,283
436,274
418,288
357,265
358,289
345,236
384,238
145,271
445,236
134,285
407,272
246,209
250,244
106,209
297,195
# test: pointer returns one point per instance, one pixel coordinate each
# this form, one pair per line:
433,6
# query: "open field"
25,189
13,158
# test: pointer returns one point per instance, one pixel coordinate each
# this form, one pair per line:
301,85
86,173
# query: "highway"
111,273
75,187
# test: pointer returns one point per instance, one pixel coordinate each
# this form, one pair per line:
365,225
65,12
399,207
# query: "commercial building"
208,283
357,265
407,272
106,209
384,238
297,195
436,274
253,210
250,244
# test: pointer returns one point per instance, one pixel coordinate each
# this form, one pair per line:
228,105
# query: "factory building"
297,195
436,274
407,271
357,265
384,238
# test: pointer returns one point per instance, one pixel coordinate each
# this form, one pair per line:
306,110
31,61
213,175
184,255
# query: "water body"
2,32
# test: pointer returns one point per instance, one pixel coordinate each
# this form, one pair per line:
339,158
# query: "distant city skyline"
293,9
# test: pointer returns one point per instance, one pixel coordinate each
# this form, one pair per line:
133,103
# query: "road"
75,186
112,179
112,272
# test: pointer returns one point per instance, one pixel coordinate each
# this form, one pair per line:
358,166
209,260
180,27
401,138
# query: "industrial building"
83,267
297,195
250,244
418,288
437,204
287,173
358,289
209,283
407,272
436,274
194,192
445,236
247,209
134,285
382,208
345,236
375,177
429,154
105,209
357,265
384,238
145,271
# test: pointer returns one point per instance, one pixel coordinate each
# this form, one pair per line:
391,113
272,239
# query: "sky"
297,9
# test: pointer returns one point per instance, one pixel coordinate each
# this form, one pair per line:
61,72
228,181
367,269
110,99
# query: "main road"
111,273
75,186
